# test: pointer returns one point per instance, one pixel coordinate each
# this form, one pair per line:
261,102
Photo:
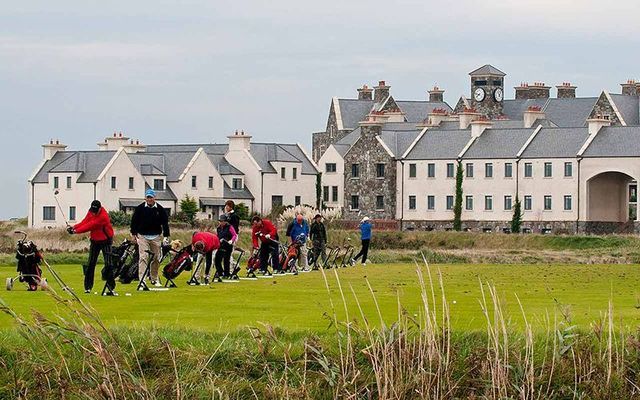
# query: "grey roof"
487,70
265,153
351,137
514,108
440,144
166,194
209,148
148,164
627,106
223,166
130,203
417,111
556,143
615,141
342,148
571,112
498,143
353,111
398,141
89,163
212,201
243,193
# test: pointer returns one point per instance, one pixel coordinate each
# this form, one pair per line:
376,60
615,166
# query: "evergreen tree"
457,207
189,207
516,220
319,191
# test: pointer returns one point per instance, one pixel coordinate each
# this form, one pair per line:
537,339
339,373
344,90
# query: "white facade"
331,165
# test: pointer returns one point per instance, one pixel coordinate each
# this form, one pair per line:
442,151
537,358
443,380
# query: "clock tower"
487,90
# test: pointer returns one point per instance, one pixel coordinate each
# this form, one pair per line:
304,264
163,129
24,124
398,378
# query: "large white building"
260,175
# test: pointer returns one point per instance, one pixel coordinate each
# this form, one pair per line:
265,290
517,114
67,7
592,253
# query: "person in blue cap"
149,221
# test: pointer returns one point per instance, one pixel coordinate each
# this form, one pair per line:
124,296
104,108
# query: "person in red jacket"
265,237
96,222
205,243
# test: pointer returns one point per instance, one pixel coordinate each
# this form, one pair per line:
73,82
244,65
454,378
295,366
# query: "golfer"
264,236
299,230
227,236
101,237
204,243
232,217
318,236
148,222
365,237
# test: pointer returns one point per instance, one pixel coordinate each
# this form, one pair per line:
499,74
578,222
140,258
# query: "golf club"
55,196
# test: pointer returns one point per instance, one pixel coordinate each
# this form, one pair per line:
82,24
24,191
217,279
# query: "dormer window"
158,184
237,184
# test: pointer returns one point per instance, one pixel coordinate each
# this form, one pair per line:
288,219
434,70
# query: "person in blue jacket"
299,230
365,237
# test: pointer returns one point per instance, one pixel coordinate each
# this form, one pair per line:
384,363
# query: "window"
450,170
194,182
158,184
507,203
114,182
211,182
488,203
568,169
72,213
379,202
325,193
276,201
56,182
547,203
355,202
131,183
355,170
488,170
412,171
431,202
236,183
295,173
508,170
330,167
567,203
412,202
379,170
334,194
468,203
431,170
449,202
297,200
548,172
527,202
283,173
48,213
469,170
68,182
528,170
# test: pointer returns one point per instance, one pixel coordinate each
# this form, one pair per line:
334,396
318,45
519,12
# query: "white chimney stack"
239,141
478,126
531,115
597,123
51,148
466,116
114,142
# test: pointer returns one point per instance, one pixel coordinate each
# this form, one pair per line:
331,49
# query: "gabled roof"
487,70
166,194
615,141
569,112
627,106
440,144
351,137
341,148
209,148
399,141
353,111
243,193
514,108
498,143
223,166
90,164
266,153
417,111
148,164
556,143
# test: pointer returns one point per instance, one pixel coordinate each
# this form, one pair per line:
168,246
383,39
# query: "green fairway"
297,303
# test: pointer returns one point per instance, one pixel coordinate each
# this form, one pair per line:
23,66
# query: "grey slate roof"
148,164
342,148
236,194
166,194
440,144
416,111
498,143
628,107
223,166
351,137
569,112
399,141
556,143
209,148
353,111
487,70
89,163
514,108
615,141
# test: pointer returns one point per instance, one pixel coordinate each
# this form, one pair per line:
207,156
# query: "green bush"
120,218
242,211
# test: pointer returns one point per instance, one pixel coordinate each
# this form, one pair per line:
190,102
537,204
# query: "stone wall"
603,107
538,92
367,152
566,92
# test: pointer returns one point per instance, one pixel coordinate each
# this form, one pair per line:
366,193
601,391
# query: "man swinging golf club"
148,222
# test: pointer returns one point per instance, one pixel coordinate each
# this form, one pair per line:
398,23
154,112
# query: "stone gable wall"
604,107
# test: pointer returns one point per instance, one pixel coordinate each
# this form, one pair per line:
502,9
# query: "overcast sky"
194,71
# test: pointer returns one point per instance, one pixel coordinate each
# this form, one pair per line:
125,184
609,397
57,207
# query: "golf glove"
268,236
70,230
165,241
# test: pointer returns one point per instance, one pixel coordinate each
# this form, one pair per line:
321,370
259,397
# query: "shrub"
189,207
242,211
120,218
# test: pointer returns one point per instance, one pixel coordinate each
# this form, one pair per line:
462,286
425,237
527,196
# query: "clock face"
498,95
478,94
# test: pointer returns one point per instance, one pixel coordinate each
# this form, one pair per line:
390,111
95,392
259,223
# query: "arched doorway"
611,198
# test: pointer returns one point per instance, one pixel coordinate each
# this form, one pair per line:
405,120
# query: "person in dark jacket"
318,236
228,237
264,236
232,217
365,237
96,222
148,222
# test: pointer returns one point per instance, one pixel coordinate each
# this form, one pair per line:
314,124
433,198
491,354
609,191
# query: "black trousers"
223,256
90,268
207,262
269,249
319,250
364,251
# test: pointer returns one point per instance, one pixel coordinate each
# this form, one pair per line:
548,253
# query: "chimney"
370,126
531,115
539,91
466,116
522,91
239,141
364,93
596,123
381,92
134,146
114,142
630,88
435,117
51,148
478,126
566,91
436,95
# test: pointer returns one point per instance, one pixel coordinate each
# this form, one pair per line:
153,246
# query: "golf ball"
454,302
95,292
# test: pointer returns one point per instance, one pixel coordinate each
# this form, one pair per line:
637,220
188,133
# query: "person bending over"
264,236
205,243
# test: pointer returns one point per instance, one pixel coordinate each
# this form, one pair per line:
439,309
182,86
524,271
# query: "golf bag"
120,258
129,271
253,263
292,253
180,262
29,259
